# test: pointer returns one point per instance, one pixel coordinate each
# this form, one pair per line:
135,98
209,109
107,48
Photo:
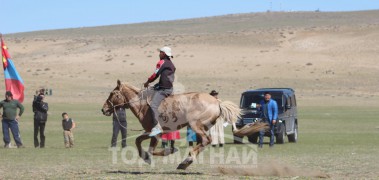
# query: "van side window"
288,101
293,100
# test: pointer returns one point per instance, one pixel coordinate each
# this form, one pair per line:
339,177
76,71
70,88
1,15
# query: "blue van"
287,113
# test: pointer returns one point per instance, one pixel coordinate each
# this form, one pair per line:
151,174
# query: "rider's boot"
156,130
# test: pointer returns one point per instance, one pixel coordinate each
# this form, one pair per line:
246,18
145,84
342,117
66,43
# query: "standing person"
39,93
119,124
68,125
217,130
10,119
191,136
165,69
170,137
269,114
40,109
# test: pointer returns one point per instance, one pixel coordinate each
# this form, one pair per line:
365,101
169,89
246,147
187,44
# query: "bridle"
121,104
124,102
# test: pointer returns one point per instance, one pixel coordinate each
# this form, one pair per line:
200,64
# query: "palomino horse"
198,110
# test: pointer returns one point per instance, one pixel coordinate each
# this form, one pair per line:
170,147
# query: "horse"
197,110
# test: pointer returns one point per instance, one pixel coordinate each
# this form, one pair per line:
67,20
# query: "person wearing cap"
269,114
217,130
165,70
10,119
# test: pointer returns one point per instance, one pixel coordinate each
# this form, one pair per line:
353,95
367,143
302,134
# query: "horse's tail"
230,112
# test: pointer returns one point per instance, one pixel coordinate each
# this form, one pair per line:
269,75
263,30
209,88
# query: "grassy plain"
338,141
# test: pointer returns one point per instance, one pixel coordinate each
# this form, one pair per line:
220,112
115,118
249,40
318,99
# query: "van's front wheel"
282,133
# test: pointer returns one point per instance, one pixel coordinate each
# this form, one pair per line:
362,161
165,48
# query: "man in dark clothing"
40,109
10,119
119,124
166,71
269,114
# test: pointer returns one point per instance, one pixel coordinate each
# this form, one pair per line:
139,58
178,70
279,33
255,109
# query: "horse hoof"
166,152
148,161
185,164
174,150
182,167
146,158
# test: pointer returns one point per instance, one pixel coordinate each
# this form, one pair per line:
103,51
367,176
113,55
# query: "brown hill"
322,56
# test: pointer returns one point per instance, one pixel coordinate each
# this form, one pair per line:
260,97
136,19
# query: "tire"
281,135
238,139
293,137
253,138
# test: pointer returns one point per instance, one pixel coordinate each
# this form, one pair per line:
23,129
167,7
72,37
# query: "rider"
166,71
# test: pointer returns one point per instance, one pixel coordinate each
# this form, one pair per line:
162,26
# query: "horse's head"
115,99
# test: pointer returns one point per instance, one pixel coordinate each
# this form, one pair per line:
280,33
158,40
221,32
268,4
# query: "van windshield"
256,97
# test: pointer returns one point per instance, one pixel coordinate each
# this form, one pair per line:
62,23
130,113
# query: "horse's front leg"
143,154
153,144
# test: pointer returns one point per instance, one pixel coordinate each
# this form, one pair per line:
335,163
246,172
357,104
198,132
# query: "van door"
288,114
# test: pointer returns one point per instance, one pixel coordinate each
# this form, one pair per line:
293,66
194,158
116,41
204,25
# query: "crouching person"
68,125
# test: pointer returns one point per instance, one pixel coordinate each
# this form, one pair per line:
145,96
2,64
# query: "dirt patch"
272,169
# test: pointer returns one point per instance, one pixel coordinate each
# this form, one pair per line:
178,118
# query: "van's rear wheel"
253,138
293,137
282,133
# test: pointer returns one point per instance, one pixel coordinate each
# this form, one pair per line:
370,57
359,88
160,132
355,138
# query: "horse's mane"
131,87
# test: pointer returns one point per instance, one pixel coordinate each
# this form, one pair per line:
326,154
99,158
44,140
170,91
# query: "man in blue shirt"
269,114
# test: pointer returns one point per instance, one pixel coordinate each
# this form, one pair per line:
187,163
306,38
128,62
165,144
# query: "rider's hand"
17,118
273,121
146,84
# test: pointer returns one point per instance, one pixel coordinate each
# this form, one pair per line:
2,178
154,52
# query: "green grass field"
339,141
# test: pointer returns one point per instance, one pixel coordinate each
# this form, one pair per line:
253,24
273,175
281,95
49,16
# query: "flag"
13,81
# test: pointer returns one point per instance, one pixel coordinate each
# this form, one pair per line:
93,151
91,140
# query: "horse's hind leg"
197,149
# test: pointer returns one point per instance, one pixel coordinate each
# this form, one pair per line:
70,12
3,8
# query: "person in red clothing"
170,137
165,70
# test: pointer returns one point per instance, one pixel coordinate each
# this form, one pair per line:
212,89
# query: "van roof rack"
276,89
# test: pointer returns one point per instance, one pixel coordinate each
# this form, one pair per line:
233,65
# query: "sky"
35,15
